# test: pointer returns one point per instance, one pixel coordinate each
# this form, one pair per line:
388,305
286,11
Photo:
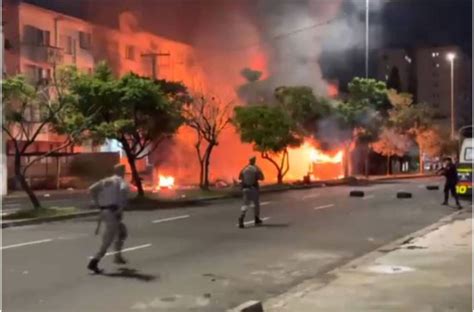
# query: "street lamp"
367,4
450,57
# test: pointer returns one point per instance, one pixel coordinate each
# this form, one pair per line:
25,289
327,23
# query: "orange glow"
333,90
319,165
165,182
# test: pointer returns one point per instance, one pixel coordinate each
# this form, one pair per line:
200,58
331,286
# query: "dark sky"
400,23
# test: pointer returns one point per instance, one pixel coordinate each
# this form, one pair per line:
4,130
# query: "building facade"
38,41
426,73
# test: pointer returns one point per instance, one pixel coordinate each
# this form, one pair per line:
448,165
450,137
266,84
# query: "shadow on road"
132,274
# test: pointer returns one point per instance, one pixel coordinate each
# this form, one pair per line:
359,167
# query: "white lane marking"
253,221
8,205
170,219
128,249
27,244
311,196
265,203
324,207
369,197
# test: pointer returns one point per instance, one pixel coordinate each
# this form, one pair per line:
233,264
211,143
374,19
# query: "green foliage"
365,92
132,107
251,75
270,129
305,108
362,113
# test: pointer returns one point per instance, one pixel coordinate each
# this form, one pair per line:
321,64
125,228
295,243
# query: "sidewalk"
429,273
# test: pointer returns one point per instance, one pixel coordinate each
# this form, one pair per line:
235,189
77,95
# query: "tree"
133,110
416,120
208,116
304,107
28,112
389,144
271,130
394,81
362,116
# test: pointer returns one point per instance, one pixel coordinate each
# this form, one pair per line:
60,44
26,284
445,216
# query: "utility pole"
367,11
154,57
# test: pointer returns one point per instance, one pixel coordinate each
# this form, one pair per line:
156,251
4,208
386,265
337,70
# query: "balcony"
43,54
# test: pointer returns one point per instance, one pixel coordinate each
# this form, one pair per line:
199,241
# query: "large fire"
164,182
319,165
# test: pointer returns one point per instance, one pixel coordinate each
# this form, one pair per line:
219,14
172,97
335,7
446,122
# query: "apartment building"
426,73
38,40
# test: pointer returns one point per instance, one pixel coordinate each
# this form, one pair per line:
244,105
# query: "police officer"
110,195
249,177
450,173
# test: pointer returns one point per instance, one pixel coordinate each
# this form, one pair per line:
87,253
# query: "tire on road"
404,195
432,187
356,194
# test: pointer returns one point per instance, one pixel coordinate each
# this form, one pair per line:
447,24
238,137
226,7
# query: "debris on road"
404,195
356,194
432,187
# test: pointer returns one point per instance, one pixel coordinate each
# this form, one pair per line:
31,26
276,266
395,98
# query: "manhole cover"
389,269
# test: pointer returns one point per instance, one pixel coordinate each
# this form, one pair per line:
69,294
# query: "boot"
445,203
93,266
241,223
119,259
458,204
258,221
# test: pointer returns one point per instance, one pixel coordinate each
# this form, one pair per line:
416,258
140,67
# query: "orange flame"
165,182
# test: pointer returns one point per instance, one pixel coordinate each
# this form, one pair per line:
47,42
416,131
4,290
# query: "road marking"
171,219
253,221
265,203
128,249
324,207
369,197
311,196
27,244
8,205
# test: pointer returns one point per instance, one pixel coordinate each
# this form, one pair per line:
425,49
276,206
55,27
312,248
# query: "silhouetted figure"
249,177
110,195
450,173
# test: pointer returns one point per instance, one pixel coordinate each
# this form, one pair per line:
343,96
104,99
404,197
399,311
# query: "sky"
394,23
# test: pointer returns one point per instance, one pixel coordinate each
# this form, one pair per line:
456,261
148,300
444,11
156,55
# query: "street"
196,259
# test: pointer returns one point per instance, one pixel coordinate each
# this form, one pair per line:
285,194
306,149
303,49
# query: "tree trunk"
24,185
389,165
421,160
277,167
201,174
367,162
207,161
346,160
133,168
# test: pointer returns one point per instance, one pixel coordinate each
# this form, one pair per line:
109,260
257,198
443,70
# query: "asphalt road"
196,259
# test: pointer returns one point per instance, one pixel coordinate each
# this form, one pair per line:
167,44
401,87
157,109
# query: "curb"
310,285
178,203
13,223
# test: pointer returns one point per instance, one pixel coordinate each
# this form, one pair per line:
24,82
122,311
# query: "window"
67,44
468,154
85,40
36,36
130,52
